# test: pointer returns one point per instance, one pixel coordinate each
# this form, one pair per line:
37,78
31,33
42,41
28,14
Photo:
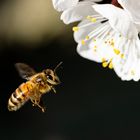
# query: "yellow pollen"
95,47
110,65
83,42
88,17
112,42
93,20
75,29
104,64
87,37
116,51
122,55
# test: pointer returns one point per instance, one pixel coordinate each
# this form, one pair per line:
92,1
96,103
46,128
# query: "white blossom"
108,34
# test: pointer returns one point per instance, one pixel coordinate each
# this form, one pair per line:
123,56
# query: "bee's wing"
24,70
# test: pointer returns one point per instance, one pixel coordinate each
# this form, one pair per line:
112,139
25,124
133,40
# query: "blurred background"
91,103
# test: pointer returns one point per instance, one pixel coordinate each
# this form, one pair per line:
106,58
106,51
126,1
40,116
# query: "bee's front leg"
53,89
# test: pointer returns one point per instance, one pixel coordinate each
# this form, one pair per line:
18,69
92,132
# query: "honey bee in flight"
37,84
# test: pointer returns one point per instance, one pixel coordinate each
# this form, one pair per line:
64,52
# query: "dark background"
91,103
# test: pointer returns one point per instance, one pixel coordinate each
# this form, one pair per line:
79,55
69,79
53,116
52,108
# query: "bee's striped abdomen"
19,97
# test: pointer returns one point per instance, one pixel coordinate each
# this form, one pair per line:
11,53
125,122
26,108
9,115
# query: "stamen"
87,37
83,42
122,55
116,51
75,29
95,17
106,63
112,43
95,48
98,31
88,17
110,65
93,20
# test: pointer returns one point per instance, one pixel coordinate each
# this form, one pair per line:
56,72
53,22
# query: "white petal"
123,53
94,48
88,51
119,20
133,8
78,12
61,5
86,27
138,27
128,68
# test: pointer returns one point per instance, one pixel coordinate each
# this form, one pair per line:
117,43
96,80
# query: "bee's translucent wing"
24,70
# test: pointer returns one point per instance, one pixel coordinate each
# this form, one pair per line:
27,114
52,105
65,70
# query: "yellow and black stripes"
19,97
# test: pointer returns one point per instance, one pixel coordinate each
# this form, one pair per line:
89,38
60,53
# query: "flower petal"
76,13
101,43
119,20
94,51
133,9
84,28
92,42
61,5
128,66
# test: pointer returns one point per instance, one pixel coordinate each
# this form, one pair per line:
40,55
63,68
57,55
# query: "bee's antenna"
58,65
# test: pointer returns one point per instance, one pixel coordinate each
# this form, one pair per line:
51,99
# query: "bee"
37,84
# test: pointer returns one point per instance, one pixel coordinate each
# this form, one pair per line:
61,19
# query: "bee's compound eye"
49,77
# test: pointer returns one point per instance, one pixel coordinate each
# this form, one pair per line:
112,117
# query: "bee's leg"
36,102
53,89
41,107
33,102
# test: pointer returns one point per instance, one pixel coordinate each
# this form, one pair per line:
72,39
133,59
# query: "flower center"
115,2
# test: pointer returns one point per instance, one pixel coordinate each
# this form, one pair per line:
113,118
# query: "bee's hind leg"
36,103
41,107
33,102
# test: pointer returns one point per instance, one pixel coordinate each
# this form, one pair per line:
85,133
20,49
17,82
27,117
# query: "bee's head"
51,75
